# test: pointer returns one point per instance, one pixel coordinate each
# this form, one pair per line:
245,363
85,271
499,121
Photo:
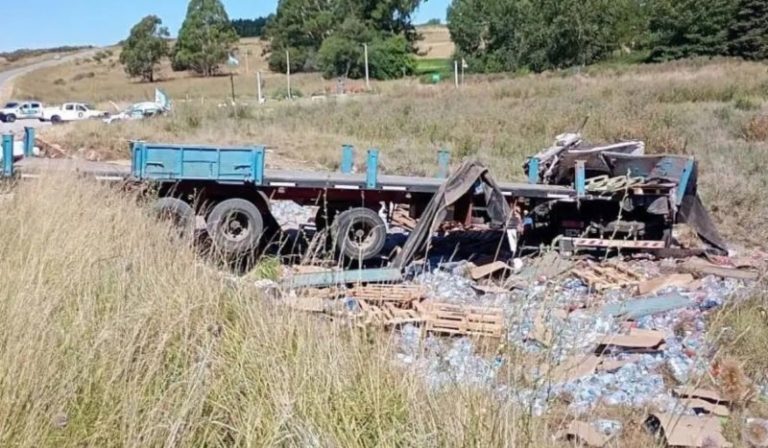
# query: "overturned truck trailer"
624,197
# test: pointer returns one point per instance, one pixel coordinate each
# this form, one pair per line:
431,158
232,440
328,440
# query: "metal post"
258,86
372,168
29,141
443,162
456,73
258,165
533,170
685,177
367,78
232,85
288,72
7,155
347,158
463,64
581,180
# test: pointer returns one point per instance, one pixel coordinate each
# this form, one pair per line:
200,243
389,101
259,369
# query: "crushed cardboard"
655,285
487,270
584,433
637,341
703,268
689,431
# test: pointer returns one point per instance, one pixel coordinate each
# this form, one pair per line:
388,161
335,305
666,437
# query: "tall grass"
114,334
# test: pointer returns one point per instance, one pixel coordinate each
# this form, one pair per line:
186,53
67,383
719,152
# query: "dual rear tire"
237,227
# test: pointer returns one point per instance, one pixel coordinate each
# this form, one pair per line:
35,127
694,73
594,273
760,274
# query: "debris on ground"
595,434
688,431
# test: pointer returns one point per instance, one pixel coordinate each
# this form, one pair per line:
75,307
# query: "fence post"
258,165
7,155
581,180
347,158
372,168
533,170
443,162
29,141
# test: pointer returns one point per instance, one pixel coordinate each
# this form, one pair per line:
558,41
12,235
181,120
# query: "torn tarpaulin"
461,186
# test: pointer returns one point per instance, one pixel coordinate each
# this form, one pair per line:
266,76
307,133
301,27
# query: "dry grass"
112,336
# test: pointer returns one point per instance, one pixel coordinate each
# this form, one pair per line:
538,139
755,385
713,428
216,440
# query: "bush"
82,76
282,93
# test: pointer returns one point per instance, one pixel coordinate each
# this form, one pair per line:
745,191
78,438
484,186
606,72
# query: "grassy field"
114,336
126,340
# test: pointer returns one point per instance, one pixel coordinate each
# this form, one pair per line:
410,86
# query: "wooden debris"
688,431
585,434
703,268
388,293
488,270
655,285
463,320
606,276
389,315
401,218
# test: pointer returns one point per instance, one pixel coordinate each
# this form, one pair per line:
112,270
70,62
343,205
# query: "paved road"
7,76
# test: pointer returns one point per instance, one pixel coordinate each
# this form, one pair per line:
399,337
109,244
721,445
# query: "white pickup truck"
72,112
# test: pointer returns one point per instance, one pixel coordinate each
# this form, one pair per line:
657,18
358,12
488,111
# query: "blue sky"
50,23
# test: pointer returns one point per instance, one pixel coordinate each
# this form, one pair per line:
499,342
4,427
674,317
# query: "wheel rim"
360,235
235,227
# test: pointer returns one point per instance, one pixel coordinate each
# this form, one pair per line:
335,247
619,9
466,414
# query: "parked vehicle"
137,111
21,110
145,109
72,112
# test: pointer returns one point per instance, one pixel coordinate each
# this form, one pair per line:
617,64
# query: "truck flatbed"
119,171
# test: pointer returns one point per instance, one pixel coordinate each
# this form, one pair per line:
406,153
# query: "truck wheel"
178,212
55,119
359,233
10,118
235,226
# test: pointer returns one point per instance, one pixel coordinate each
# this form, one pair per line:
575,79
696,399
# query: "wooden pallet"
388,293
606,276
389,315
447,318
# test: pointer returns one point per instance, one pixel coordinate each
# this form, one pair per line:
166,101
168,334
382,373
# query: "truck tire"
55,119
10,118
178,212
235,226
359,233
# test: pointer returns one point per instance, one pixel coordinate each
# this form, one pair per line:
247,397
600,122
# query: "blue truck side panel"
173,162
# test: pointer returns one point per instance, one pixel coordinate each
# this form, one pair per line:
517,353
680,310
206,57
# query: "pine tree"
205,39
144,48
685,28
748,34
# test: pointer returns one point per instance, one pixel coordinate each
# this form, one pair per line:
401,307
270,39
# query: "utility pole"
288,72
367,78
258,86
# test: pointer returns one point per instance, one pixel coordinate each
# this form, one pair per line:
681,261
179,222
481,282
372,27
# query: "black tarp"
464,181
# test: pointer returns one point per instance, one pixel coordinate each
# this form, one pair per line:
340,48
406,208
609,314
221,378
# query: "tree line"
332,36
537,35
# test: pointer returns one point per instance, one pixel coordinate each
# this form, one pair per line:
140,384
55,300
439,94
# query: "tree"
685,28
328,35
539,35
205,39
251,27
748,33
144,49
